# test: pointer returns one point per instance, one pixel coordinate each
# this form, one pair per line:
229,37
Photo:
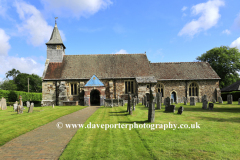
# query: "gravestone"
145,101
30,109
142,100
171,101
20,101
238,101
171,108
15,106
19,109
28,104
204,97
192,101
118,100
3,104
52,105
137,100
112,100
213,100
220,100
134,103
229,99
151,112
185,100
180,110
158,101
128,105
210,106
167,104
204,104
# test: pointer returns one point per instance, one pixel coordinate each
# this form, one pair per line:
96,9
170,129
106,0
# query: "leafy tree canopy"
13,73
35,82
225,61
8,85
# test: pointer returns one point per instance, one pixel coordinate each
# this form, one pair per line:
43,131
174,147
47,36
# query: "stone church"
89,79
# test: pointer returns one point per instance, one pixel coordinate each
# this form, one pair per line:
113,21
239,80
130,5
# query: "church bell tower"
55,46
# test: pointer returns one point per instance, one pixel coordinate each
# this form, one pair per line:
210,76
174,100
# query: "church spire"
55,37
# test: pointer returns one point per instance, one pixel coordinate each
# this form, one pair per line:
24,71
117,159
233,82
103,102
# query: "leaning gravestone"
229,99
180,110
19,109
204,104
185,100
30,109
3,104
192,101
220,100
210,106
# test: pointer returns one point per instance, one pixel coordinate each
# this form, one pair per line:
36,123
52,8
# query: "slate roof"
150,79
183,71
104,66
55,37
233,87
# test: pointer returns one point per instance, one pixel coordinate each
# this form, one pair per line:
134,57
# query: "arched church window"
160,88
193,89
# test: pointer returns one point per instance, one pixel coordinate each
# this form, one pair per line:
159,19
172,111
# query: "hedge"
12,96
235,95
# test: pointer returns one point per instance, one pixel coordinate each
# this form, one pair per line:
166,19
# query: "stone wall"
208,87
181,88
48,93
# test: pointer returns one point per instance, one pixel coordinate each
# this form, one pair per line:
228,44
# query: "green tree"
8,85
225,61
35,82
13,73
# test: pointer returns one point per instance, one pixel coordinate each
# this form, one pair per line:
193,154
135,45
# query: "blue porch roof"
94,81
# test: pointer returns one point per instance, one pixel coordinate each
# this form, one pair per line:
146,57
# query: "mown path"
47,141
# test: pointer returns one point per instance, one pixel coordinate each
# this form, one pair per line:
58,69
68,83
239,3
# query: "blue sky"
168,31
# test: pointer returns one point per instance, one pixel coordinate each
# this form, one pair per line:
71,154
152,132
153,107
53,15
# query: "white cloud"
226,31
122,51
33,24
4,44
75,8
24,65
236,43
209,12
184,8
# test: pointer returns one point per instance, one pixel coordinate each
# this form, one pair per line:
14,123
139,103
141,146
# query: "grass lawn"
217,138
13,125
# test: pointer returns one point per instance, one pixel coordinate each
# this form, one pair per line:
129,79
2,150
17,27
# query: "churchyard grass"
14,125
217,138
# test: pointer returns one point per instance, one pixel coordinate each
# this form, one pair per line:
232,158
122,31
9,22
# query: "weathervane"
56,20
